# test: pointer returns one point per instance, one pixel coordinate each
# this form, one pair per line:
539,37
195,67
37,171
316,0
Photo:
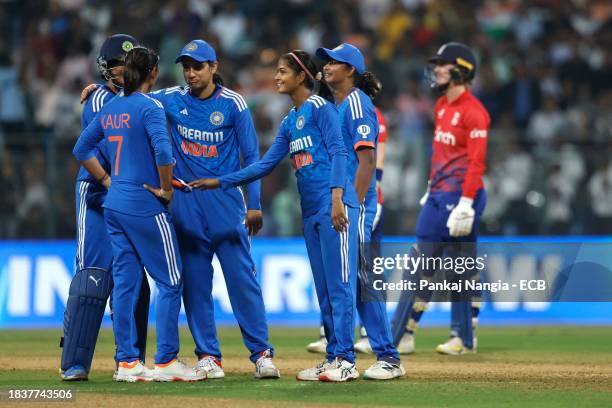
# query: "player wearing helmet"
92,282
455,199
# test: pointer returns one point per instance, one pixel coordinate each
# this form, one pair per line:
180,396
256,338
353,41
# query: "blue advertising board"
35,277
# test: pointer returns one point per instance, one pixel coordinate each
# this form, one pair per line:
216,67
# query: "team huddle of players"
159,194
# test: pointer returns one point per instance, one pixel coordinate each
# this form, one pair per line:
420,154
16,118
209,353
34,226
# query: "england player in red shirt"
455,198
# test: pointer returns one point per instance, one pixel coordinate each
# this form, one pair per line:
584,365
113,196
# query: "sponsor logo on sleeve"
364,131
478,133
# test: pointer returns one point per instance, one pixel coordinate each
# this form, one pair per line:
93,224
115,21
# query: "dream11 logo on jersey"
196,149
299,156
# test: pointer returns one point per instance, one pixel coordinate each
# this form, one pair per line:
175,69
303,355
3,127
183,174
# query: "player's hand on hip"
164,195
205,184
254,221
461,219
105,181
88,91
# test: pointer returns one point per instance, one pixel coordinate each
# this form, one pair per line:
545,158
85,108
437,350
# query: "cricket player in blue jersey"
311,135
211,129
137,220
353,88
92,283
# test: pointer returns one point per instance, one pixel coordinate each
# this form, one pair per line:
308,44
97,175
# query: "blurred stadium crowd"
545,76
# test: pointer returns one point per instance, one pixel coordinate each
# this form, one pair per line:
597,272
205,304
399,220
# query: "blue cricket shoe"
75,373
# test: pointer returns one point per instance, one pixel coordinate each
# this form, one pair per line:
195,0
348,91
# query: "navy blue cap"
116,47
199,50
346,53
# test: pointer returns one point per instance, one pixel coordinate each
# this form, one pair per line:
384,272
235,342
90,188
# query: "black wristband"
379,174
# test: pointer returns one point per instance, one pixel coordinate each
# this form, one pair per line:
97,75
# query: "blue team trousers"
93,244
333,260
373,314
149,241
208,223
434,240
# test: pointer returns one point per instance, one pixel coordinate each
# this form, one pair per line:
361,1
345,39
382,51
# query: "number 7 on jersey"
119,141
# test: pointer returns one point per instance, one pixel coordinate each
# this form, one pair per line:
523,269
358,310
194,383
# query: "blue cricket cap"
346,53
199,50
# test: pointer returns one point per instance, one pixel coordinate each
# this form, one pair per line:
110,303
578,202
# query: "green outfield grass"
544,367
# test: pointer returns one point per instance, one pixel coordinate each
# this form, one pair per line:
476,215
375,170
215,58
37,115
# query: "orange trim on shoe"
164,365
127,364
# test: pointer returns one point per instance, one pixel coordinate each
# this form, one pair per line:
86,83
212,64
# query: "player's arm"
365,171
85,151
255,171
364,131
249,149
87,91
380,148
380,164
157,132
380,161
477,125
327,120
461,219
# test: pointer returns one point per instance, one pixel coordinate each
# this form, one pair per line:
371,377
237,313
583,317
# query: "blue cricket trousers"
373,314
333,260
93,244
434,240
150,242
208,223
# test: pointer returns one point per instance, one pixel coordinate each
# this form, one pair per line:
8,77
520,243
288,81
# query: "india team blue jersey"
134,127
94,104
208,135
95,192
359,129
311,136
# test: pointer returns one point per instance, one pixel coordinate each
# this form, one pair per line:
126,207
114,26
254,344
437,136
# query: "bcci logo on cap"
299,123
127,46
363,130
216,118
191,46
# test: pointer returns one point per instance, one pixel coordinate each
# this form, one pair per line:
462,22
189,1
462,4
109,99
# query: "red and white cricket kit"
460,145
382,126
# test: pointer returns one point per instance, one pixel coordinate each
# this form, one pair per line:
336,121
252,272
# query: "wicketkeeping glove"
461,218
